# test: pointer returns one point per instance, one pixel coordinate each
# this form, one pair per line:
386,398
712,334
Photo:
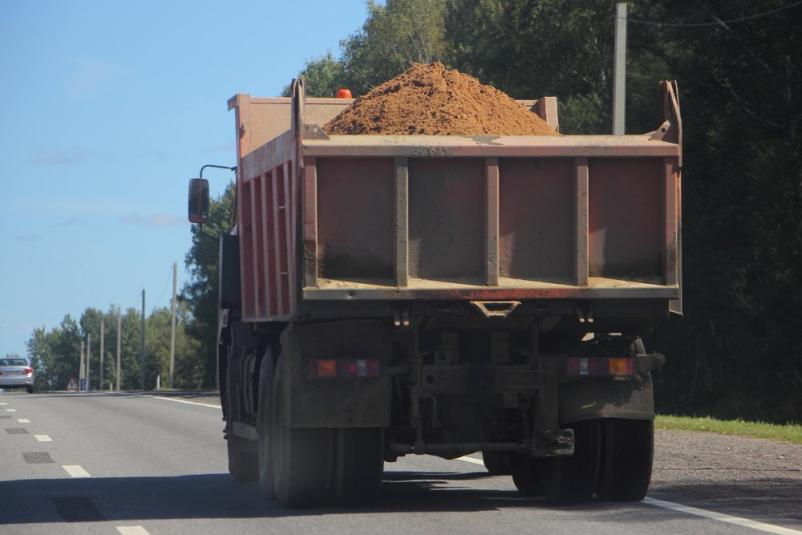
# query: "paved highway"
132,465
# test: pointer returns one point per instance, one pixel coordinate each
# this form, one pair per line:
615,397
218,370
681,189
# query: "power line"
717,22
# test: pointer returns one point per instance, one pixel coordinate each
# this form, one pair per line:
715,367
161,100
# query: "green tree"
324,76
201,289
189,371
393,36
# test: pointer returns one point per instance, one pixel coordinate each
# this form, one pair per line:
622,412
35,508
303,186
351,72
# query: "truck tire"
627,453
264,423
300,458
360,463
322,466
242,459
526,475
573,479
498,463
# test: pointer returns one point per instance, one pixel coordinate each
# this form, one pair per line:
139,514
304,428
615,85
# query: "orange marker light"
620,366
327,368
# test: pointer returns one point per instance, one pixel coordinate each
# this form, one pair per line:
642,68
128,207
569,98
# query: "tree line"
736,351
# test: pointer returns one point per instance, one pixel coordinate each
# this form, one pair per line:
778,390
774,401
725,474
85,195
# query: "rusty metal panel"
452,217
270,260
258,211
625,218
355,218
537,219
262,119
246,250
446,219
283,244
278,180
267,242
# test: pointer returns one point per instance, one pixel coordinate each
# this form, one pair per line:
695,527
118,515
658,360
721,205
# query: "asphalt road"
131,464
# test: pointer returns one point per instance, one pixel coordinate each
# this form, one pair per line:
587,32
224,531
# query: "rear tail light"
27,371
599,366
343,368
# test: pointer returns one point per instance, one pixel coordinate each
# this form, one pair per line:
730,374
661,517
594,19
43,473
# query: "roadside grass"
785,433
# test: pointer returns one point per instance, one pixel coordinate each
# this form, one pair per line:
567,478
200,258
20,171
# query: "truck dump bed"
443,218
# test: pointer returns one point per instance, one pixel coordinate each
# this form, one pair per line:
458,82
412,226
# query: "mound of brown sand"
433,100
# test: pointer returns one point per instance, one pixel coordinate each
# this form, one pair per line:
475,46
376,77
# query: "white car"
15,373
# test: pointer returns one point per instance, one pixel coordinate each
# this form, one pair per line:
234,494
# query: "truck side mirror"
198,207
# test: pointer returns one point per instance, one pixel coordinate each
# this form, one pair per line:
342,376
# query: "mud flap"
606,397
340,402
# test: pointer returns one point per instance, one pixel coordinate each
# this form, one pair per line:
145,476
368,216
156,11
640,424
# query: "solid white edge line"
132,530
721,517
43,438
75,470
23,421
187,402
704,513
473,460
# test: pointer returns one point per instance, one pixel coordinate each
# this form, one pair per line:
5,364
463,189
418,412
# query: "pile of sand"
433,100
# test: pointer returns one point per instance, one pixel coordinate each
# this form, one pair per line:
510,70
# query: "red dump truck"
382,296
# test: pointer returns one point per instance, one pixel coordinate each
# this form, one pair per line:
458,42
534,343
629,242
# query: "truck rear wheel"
498,463
627,452
322,466
300,458
573,479
360,463
526,475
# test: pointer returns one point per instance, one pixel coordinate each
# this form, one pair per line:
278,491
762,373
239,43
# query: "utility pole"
142,348
620,70
82,370
102,352
88,361
119,328
172,329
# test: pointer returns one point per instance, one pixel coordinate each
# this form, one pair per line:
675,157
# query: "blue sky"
106,109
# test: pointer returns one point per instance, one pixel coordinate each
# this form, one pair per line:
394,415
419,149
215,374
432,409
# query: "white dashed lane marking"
23,421
43,438
721,517
75,470
187,402
473,460
11,410
132,530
